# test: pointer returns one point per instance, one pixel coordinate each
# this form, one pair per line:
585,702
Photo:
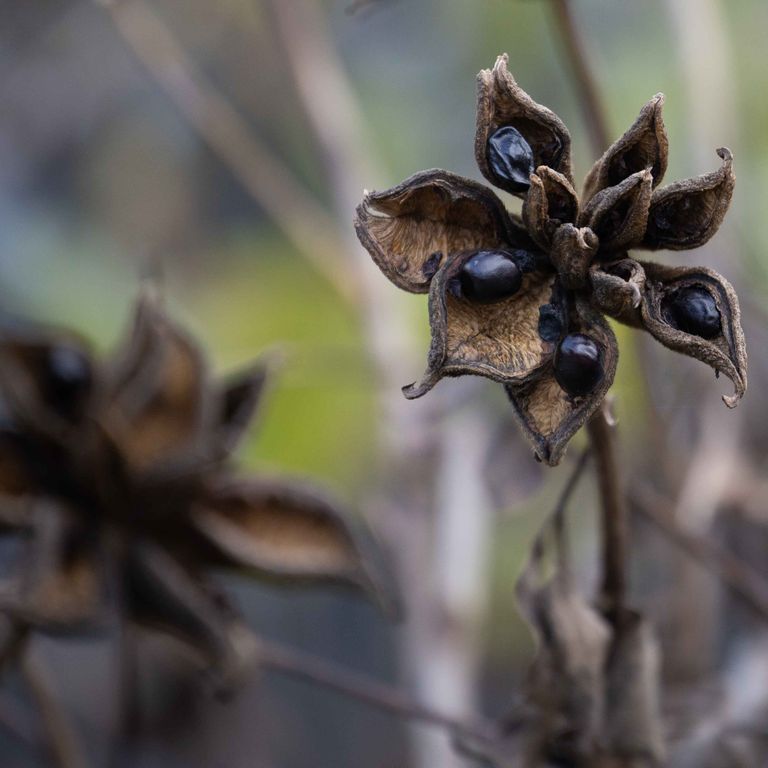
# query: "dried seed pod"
686,214
572,252
62,587
617,289
157,391
289,532
724,351
240,396
411,229
643,147
550,203
136,478
164,595
618,215
549,415
502,103
48,377
500,341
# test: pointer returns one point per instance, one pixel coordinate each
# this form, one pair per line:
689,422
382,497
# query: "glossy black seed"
578,364
490,276
693,310
511,159
68,381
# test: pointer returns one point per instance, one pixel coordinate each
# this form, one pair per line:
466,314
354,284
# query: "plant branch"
362,688
578,63
743,581
614,517
305,223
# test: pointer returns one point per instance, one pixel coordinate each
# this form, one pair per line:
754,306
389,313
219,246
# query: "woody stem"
614,524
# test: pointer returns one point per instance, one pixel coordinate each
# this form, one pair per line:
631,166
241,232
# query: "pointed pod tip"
725,154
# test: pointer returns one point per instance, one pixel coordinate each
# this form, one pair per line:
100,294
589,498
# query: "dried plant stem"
578,62
614,518
62,741
362,688
614,514
306,224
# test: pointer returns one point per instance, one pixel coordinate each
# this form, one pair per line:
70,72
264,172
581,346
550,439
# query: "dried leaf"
550,416
501,341
725,351
617,289
633,726
573,250
618,215
291,532
643,147
157,384
500,103
551,201
165,596
240,398
413,228
686,214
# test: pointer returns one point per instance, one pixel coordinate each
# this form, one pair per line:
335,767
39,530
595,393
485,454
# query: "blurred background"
221,147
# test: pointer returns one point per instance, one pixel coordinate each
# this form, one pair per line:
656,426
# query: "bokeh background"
219,148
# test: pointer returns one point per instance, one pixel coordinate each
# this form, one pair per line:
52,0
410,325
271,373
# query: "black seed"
578,364
511,159
490,276
68,381
693,310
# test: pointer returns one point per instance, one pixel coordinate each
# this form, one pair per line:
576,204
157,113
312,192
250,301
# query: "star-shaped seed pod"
523,299
116,475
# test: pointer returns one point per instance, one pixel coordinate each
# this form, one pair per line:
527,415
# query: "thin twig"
743,581
306,224
62,741
578,62
362,688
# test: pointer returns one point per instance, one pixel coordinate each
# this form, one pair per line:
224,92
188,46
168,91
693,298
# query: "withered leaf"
164,595
500,341
548,415
501,102
633,724
572,252
687,213
643,147
157,384
411,229
292,532
617,289
550,202
725,352
618,215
